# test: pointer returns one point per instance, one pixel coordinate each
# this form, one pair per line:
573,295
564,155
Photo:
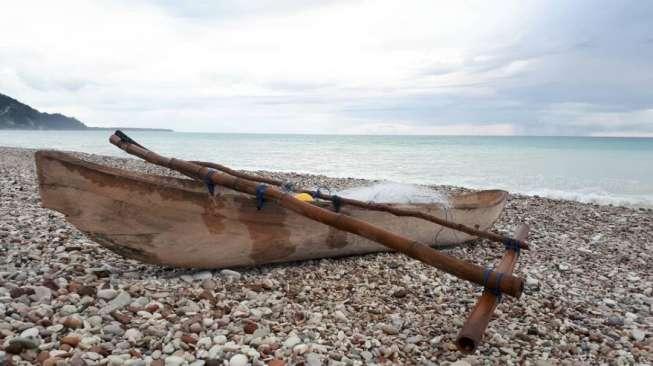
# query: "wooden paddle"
506,283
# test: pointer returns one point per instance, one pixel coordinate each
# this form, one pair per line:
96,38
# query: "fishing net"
388,192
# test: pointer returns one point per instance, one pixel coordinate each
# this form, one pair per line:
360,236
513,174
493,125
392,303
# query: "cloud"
536,67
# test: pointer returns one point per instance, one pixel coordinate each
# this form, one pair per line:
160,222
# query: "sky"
337,67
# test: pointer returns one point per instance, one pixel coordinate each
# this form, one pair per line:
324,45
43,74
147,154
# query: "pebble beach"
65,300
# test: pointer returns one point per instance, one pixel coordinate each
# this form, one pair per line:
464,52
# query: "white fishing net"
388,192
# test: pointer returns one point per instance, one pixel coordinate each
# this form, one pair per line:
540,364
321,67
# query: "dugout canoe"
175,222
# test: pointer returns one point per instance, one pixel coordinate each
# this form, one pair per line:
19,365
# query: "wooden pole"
377,207
471,333
508,284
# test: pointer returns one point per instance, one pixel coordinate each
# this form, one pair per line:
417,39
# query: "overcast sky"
458,67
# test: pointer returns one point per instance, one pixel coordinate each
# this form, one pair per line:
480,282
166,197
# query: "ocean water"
602,170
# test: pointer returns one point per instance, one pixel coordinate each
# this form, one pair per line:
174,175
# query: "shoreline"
589,294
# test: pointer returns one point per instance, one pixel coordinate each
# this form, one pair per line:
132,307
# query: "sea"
604,170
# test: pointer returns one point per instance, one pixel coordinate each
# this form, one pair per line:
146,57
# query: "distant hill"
15,115
18,116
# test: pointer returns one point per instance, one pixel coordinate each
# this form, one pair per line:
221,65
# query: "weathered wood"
472,331
509,284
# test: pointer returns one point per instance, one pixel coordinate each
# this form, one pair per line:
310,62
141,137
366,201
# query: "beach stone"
133,335
195,328
231,274
614,321
114,360
68,309
638,335
88,342
133,362
340,316
42,294
120,301
77,360
389,329
30,333
174,361
300,349
609,302
72,322
461,363
313,359
532,283
113,329
186,278
71,340
238,360
107,294
203,275
209,284
19,344
291,341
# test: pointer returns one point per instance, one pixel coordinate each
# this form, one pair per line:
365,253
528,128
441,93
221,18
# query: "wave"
596,197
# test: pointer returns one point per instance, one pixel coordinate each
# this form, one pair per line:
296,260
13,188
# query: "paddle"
505,283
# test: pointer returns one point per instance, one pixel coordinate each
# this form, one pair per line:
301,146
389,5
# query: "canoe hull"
175,222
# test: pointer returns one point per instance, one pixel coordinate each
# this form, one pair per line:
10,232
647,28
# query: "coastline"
588,296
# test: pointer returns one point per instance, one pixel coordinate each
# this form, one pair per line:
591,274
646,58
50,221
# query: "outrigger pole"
506,240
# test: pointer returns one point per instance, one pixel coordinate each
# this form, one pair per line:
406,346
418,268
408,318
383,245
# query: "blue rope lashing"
316,194
209,182
287,187
496,290
337,202
260,195
512,244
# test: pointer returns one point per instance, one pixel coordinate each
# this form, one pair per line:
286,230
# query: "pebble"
42,293
113,329
340,316
107,294
19,344
71,339
174,361
202,275
133,335
228,273
291,341
238,360
638,335
72,322
120,301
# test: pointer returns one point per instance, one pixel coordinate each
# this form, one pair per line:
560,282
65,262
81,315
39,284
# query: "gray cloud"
542,67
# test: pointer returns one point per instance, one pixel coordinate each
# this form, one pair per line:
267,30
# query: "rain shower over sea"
615,171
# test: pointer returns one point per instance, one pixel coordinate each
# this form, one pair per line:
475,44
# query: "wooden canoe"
175,222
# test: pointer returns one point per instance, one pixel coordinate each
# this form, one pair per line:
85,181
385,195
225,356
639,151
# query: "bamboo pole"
472,331
508,284
377,207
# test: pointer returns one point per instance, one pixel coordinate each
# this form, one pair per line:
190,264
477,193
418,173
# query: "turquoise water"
602,170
